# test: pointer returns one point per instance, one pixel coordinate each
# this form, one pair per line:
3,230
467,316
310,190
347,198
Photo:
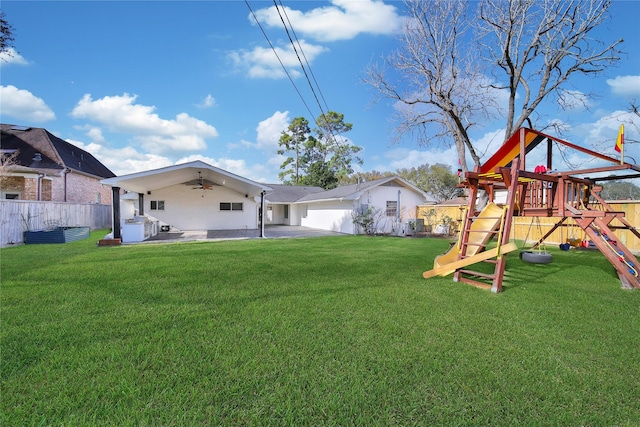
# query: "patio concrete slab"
270,231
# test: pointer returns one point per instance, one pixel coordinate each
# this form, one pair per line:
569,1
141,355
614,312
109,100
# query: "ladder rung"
475,283
478,274
483,231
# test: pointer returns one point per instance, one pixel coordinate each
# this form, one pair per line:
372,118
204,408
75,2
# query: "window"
228,206
157,205
286,211
392,208
12,196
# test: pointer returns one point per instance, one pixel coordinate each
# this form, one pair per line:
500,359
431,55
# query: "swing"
572,240
536,257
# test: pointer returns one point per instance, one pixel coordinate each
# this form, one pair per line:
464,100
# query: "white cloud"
401,158
625,85
23,105
602,133
486,145
207,102
405,158
574,100
269,130
262,62
11,56
156,135
343,20
121,161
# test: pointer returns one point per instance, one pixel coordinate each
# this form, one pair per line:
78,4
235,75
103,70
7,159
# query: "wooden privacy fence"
533,228
17,216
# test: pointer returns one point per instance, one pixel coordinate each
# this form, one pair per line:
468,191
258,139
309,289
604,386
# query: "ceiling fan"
200,184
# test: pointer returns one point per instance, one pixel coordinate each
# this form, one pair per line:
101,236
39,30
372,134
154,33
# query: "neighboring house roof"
27,157
59,150
290,193
345,192
187,174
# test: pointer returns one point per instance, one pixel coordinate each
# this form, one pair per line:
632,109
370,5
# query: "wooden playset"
542,192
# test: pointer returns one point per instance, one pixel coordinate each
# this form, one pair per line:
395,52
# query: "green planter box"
58,235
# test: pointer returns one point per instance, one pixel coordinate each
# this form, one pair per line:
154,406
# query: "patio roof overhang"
142,182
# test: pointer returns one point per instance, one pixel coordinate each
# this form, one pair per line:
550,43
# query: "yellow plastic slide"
481,228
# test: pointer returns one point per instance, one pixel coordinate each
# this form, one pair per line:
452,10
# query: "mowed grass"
321,331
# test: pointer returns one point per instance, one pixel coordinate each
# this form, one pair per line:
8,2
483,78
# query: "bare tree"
8,161
6,34
634,108
441,98
449,72
538,45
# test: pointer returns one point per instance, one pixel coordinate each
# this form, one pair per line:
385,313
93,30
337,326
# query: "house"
198,196
47,168
188,196
392,200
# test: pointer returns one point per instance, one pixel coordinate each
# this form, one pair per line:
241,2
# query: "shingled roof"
58,150
290,193
27,155
295,194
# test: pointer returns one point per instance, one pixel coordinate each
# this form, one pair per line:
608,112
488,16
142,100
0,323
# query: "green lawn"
321,331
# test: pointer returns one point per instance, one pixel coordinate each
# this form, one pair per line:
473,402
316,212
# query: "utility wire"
330,129
304,69
293,31
277,56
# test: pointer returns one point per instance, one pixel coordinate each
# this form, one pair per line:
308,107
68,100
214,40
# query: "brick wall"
79,189
84,189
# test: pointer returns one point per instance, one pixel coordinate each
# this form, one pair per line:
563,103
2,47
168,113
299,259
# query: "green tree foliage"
364,177
292,141
437,180
620,190
321,159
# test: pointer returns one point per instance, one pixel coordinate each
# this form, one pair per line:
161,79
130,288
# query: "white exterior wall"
189,209
377,198
332,215
277,215
295,214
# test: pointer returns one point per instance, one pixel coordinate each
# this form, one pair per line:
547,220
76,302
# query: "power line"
277,56
303,55
304,69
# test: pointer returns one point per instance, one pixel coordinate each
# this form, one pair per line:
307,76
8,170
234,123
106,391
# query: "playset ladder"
623,260
500,233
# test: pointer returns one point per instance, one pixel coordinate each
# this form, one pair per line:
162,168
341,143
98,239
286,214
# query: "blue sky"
147,84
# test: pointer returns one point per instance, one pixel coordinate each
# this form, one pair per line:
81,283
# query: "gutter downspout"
66,172
39,195
398,210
